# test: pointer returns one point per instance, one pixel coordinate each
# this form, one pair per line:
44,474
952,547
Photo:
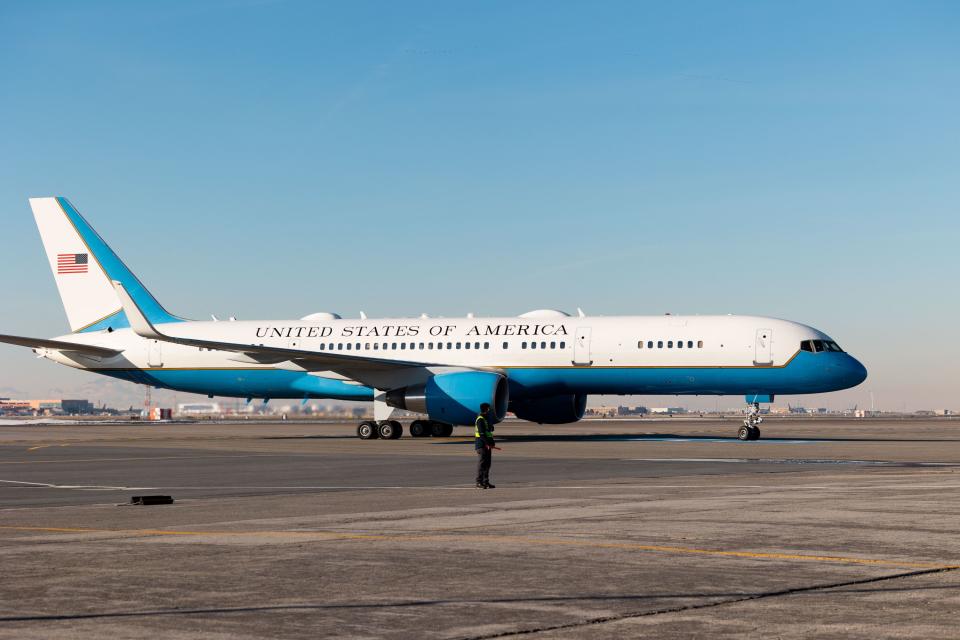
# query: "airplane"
541,365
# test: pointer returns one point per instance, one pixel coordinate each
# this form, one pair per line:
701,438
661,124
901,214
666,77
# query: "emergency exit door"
763,353
581,347
154,354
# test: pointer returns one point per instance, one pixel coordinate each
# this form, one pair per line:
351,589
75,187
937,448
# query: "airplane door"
154,354
581,347
764,347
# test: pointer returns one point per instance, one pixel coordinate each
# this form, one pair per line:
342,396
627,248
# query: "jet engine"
552,409
455,398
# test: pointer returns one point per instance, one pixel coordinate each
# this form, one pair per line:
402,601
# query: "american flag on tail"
72,263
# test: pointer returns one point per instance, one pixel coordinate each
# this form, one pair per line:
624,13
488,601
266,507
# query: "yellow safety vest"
486,428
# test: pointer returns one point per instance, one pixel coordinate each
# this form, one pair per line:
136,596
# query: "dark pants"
484,458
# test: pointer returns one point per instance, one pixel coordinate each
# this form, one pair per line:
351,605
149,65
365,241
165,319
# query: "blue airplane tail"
83,267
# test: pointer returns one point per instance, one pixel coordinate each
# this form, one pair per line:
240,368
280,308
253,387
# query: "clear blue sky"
279,158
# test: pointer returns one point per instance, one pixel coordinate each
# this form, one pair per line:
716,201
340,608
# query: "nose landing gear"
751,423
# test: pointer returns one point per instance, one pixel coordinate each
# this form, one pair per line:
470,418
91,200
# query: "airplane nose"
855,371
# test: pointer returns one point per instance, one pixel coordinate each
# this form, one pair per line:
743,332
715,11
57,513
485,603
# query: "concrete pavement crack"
707,605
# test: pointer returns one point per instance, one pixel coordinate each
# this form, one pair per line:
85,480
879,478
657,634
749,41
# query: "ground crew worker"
484,444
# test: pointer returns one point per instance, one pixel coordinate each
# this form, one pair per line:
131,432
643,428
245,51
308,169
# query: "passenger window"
649,344
640,345
689,344
376,345
358,346
476,345
339,346
348,346
699,344
467,345
439,345
504,345
394,347
523,345
553,345
563,345
330,346
458,345
679,344
659,344
533,345
321,347
669,344
403,346
449,345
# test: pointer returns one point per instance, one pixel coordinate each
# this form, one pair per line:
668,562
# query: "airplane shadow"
676,437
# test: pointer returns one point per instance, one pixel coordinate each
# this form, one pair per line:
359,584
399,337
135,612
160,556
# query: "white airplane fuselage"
542,364
541,356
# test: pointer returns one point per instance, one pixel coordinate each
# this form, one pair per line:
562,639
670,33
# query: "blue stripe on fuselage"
244,383
805,373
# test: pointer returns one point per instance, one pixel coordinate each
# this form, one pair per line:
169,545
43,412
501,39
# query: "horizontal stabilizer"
60,345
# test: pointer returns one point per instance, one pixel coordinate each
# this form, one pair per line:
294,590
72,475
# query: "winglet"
138,321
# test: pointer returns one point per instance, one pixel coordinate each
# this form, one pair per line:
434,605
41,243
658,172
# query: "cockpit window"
817,346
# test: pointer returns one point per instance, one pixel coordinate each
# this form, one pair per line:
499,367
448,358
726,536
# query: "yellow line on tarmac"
508,539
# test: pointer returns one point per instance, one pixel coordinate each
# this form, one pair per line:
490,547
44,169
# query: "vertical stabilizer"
83,267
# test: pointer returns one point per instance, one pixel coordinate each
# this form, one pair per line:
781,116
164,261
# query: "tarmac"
602,529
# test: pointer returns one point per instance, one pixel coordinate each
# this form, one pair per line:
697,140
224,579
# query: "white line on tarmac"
86,487
798,461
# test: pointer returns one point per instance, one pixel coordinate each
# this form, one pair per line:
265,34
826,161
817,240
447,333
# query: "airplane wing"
379,373
60,345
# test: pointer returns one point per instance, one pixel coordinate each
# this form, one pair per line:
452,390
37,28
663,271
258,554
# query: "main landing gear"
751,423
392,430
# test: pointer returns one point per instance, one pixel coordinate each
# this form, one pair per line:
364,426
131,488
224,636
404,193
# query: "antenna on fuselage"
580,313
363,316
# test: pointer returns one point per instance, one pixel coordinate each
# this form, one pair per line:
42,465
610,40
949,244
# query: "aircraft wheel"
441,429
390,430
744,433
419,429
397,429
754,433
368,431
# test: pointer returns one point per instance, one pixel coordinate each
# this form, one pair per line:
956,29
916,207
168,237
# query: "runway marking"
87,487
498,538
46,446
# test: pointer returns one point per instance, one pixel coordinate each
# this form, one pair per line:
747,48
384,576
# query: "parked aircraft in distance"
540,365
